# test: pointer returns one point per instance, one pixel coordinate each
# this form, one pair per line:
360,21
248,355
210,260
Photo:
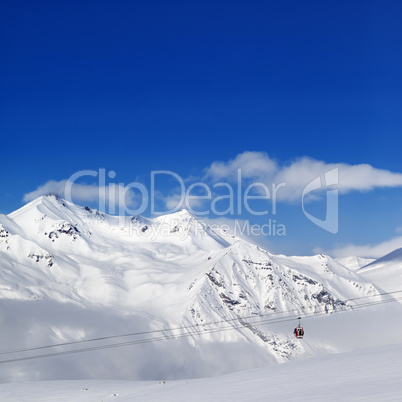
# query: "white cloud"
364,177
253,165
115,196
256,167
51,187
259,166
365,251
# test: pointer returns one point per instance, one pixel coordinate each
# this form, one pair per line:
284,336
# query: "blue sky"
136,87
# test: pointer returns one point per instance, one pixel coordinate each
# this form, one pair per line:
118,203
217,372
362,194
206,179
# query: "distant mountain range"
173,271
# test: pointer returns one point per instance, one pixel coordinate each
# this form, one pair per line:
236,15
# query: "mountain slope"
353,263
386,271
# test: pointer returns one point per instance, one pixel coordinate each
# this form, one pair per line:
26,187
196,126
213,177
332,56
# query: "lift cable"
182,327
198,330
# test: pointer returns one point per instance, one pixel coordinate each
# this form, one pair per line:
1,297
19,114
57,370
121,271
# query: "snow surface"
366,375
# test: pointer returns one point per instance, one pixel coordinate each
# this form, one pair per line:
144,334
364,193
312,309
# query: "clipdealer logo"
135,198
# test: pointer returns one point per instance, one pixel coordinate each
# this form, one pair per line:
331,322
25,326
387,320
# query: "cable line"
179,328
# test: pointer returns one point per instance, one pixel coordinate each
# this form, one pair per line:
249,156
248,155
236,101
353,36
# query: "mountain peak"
182,214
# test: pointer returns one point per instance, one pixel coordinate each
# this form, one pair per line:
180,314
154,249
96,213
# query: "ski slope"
366,375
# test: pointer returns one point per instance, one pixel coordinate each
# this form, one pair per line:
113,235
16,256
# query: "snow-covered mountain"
170,271
386,271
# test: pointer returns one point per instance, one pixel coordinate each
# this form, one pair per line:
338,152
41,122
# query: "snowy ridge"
386,271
